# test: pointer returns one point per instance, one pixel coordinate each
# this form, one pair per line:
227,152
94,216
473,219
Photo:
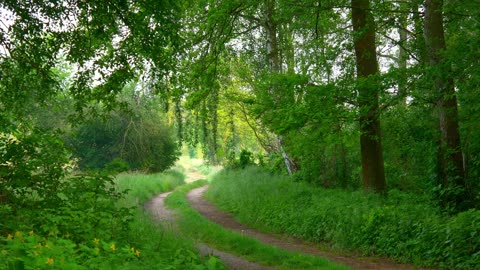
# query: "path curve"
167,217
210,211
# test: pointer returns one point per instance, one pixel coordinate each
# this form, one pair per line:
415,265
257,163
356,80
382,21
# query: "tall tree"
451,160
368,90
402,55
274,67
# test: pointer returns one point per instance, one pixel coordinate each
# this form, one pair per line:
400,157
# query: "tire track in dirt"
167,217
210,211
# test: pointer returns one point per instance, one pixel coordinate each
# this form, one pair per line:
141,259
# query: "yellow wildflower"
96,240
35,254
39,245
18,234
50,261
132,249
137,253
31,233
9,236
113,247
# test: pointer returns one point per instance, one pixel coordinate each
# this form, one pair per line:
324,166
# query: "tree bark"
450,154
402,58
368,89
275,67
271,34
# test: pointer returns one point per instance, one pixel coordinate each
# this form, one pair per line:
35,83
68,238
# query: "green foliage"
123,142
409,148
65,213
110,39
76,220
406,227
142,245
21,250
31,163
117,165
245,159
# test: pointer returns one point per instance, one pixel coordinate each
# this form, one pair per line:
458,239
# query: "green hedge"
406,227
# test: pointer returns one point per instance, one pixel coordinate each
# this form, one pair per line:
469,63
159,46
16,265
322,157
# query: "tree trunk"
402,58
271,34
275,67
368,89
420,50
450,154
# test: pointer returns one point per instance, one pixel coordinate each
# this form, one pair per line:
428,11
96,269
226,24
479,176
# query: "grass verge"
406,227
195,226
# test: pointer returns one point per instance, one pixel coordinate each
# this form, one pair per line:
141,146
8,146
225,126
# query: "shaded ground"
226,220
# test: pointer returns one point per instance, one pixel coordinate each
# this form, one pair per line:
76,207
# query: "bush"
246,158
125,141
406,227
61,214
117,165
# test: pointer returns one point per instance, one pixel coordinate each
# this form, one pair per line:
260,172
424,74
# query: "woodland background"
373,95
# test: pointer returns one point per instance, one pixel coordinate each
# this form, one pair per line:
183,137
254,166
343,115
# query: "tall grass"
197,227
406,227
141,187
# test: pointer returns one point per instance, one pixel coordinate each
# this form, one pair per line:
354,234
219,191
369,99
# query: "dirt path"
226,220
167,217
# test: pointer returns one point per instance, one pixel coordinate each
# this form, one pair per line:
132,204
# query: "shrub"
143,142
245,159
61,214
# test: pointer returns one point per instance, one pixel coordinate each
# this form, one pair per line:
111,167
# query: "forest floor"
161,213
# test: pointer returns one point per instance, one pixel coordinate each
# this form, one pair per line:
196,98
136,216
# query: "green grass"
160,248
406,227
141,187
195,226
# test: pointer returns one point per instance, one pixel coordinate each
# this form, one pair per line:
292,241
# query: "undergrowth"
95,222
406,227
195,226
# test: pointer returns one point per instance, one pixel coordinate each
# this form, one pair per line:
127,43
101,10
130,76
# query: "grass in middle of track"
159,248
197,227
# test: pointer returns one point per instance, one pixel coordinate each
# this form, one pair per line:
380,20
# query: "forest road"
167,217
210,211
